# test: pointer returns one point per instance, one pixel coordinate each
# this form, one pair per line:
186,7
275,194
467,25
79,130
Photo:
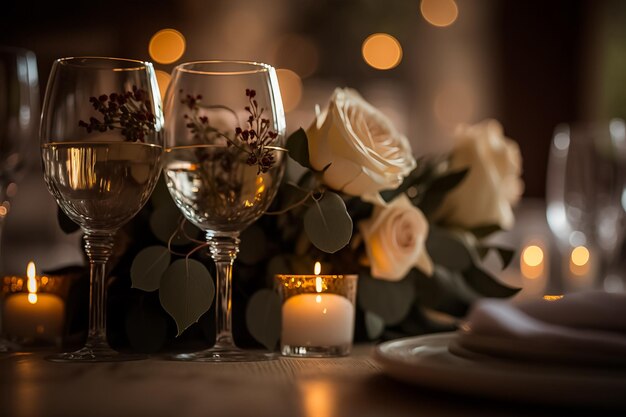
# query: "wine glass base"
95,355
224,354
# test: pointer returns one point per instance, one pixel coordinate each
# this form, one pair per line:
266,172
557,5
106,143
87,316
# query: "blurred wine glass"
19,111
586,195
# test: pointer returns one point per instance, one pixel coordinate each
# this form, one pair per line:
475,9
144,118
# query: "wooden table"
352,386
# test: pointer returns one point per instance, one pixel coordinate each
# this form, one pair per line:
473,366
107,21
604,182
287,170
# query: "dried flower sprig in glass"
127,111
256,140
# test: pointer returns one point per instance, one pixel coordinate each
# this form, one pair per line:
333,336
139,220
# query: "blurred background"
429,65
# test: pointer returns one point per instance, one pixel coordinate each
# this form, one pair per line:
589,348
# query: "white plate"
426,361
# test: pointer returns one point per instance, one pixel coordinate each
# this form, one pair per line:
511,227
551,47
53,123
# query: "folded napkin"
586,328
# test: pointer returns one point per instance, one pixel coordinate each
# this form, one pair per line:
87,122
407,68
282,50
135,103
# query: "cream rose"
365,152
492,185
395,238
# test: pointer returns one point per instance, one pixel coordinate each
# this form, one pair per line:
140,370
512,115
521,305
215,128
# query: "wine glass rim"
253,67
81,61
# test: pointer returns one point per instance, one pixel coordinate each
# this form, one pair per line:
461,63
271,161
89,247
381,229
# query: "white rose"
395,238
365,152
492,185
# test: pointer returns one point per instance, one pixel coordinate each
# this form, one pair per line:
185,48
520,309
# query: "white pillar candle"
41,319
322,319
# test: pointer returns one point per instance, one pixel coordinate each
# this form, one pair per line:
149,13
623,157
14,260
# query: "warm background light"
290,88
382,51
318,268
163,80
552,297
532,262
167,46
297,53
31,284
580,261
440,13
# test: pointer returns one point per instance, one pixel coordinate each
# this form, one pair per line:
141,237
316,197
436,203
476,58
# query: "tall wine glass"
586,194
19,111
223,164
101,148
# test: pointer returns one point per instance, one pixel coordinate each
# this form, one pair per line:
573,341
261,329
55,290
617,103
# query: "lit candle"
33,315
318,319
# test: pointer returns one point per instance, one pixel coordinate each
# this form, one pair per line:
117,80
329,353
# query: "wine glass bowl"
101,149
223,165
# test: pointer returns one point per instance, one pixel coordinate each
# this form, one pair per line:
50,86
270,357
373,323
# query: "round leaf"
263,318
389,300
328,224
374,325
186,292
164,221
148,267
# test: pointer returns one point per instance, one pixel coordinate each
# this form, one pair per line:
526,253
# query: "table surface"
346,387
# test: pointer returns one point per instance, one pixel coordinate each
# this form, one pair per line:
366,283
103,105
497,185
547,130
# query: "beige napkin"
586,328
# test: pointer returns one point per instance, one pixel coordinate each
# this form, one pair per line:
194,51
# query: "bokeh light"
297,53
163,80
167,46
382,51
440,13
531,262
580,255
290,88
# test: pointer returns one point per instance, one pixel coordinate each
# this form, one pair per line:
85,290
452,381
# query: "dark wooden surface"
30,386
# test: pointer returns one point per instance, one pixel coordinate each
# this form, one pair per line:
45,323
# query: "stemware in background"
19,110
223,165
101,147
586,195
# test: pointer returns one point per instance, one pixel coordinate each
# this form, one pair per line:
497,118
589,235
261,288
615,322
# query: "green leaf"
186,292
445,248
263,318
374,325
164,221
486,285
67,225
291,194
298,147
328,224
483,231
391,301
432,198
148,267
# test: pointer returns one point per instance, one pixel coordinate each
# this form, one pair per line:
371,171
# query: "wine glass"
101,148
586,194
19,109
223,164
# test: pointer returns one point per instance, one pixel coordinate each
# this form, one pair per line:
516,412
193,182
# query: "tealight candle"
317,314
33,315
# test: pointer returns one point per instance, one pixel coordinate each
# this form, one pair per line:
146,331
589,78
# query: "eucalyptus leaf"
328,224
164,221
374,325
432,198
483,231
263,317
186,292
391,301
148,267
298,147
447,249
291,194
65,223
486,285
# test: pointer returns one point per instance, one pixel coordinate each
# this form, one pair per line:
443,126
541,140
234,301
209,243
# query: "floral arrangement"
356,200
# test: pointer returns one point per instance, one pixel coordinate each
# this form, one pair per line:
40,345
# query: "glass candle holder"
317,314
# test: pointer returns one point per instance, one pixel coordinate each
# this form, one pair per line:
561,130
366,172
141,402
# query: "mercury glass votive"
317,314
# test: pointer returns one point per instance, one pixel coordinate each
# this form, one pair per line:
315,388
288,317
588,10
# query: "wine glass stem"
99,246
224,249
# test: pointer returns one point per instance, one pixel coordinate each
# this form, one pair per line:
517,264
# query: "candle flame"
318,268
318,299
31,284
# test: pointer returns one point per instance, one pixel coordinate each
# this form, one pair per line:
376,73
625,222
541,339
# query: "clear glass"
223,165
101,148
317,314
586,195
19,111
